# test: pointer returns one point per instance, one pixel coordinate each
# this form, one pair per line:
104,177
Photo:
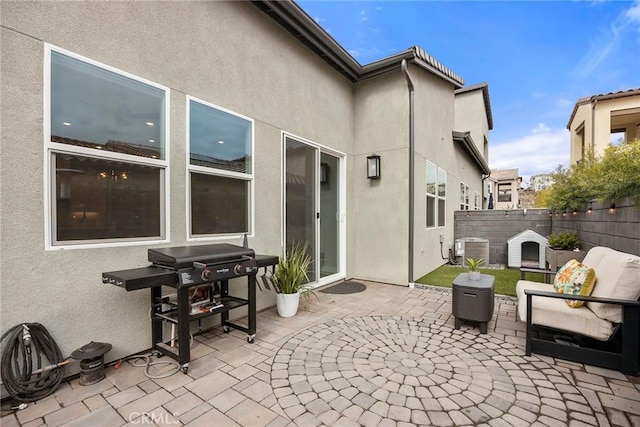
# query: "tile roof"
602,97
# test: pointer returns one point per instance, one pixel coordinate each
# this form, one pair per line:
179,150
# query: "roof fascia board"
423,64
305,29
295,20
386,64
464,139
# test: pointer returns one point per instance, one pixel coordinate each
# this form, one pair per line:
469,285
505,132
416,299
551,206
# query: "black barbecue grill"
200,275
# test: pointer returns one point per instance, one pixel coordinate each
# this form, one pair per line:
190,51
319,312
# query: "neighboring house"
540,182
599,120
504,185
136,125
469,101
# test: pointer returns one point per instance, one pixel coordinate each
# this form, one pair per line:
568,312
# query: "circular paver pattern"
373,370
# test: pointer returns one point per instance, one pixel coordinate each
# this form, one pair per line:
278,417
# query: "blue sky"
538,58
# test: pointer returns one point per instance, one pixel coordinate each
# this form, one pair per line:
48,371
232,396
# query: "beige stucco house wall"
505,185
470,100
233,55
595,118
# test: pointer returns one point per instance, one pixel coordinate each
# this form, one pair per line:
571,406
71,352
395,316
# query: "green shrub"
613,176
566,240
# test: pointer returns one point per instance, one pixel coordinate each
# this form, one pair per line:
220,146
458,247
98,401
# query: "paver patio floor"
388,356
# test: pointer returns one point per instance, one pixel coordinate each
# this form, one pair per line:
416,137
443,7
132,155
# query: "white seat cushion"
555,313
617,277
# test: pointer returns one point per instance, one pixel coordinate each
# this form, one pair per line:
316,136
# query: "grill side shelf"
140,278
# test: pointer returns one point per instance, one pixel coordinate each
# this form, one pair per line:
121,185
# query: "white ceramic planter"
474,275
287,304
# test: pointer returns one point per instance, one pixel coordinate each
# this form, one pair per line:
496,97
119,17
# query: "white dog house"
527,249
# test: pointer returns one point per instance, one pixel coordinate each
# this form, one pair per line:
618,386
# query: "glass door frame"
341,215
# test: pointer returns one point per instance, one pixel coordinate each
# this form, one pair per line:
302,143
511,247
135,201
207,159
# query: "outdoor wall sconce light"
564,213
373,166
612,209
590,208
574,213
506,214
324,173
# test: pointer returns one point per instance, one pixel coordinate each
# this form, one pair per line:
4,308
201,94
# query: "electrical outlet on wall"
441,238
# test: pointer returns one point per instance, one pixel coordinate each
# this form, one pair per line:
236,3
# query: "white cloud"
541,151
608,40
633,13
540,128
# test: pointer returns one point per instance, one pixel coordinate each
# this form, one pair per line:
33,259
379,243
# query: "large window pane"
431,178
219,139
219,204
431,211
97,108
442,183
103,199
504,192
442,213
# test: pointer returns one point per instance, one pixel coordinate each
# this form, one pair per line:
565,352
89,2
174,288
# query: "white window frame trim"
465,197
51,148
439,197
250,177
434,196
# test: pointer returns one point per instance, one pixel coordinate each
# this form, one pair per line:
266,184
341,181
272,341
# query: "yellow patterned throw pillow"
575,279
563,275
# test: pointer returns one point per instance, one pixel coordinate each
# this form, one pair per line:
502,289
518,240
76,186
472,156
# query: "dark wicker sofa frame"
621,352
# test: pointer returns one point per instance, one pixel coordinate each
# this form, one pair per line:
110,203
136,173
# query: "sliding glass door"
312,206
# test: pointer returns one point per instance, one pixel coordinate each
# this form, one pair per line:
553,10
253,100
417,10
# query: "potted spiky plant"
290,279
474,265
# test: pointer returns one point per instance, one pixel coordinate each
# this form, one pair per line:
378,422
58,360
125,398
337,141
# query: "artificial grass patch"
505,283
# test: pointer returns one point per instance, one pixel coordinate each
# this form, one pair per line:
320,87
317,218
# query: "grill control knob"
237,269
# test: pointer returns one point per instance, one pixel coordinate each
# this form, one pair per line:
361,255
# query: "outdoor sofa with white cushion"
605,331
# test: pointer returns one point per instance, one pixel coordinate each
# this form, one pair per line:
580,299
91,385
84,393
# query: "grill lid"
185,256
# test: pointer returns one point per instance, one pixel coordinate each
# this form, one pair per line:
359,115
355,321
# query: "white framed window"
106,168
436,196
442,197
504,192
464,197
220,171
431,194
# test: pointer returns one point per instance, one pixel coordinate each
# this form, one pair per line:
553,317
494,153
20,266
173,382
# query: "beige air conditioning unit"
472,247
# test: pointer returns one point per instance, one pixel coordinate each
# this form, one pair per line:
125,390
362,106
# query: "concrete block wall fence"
619,229
500,225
